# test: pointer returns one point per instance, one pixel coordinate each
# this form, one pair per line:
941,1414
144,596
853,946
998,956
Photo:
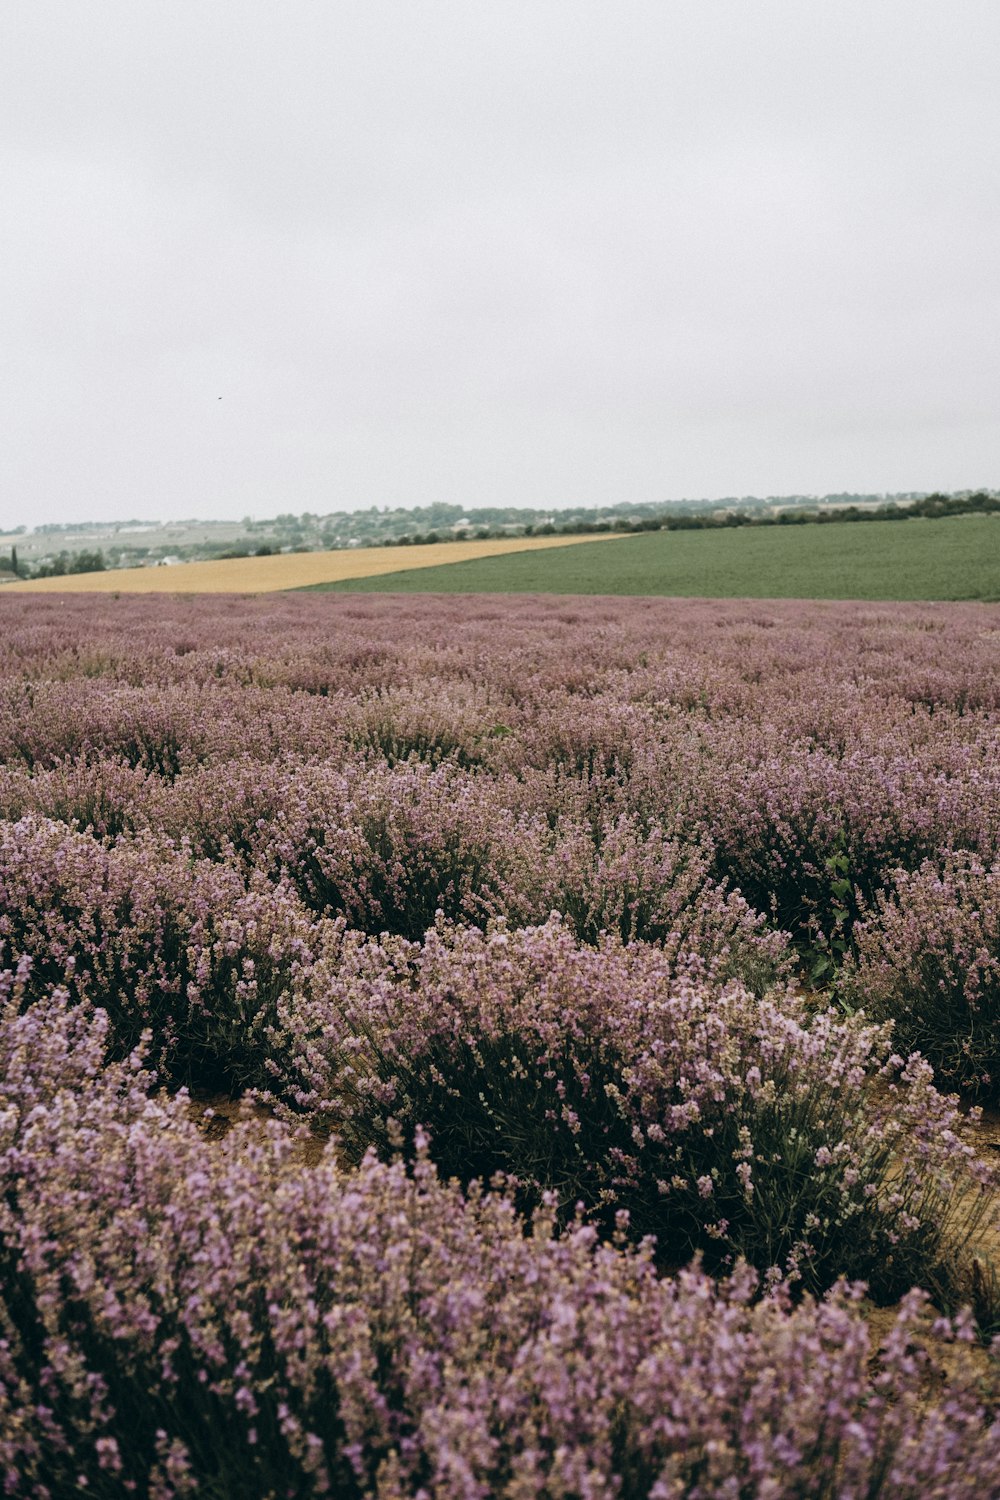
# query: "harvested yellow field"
294,570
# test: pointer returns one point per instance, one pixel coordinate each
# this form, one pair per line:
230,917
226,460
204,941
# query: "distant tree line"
932,506
62,564
264,549
545,528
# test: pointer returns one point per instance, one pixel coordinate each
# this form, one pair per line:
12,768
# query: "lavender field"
609,989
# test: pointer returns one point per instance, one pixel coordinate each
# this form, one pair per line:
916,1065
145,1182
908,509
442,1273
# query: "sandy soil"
216,1114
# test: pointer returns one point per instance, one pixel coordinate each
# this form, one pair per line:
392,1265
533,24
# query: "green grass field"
954,558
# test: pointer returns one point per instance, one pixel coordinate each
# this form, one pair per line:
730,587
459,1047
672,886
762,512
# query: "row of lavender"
633,767
234,1323
538,882
634,1077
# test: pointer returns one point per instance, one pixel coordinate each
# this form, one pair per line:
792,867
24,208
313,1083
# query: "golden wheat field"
293,570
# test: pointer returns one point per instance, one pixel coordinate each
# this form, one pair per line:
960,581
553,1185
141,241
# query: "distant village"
90,546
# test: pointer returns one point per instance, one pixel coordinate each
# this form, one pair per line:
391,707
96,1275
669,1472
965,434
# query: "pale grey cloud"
537,252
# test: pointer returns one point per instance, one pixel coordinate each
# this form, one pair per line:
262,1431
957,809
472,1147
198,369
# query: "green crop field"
954,558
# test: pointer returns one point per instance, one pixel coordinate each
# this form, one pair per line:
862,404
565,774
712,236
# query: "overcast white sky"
513,253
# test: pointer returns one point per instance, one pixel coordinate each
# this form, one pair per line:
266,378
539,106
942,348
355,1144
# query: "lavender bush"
389,847
720,1122
105,796
809,835
928,958
182,947
630,879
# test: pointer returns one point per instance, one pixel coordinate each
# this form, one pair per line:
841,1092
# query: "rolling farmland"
954,558
294,570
